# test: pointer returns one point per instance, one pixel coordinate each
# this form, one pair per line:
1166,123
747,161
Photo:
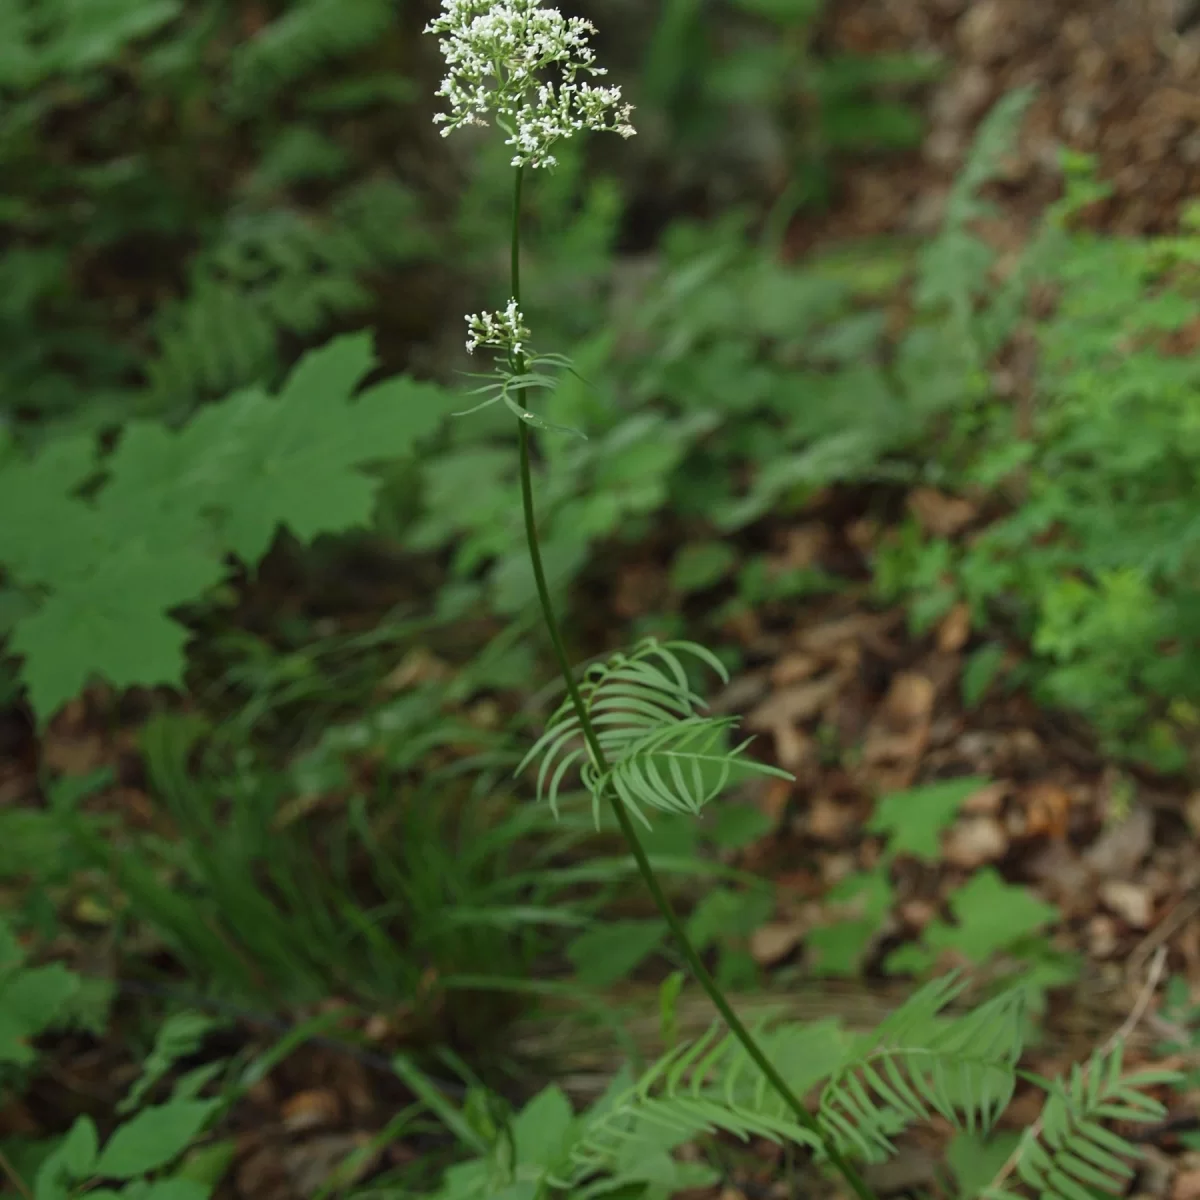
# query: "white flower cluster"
494,50
505,331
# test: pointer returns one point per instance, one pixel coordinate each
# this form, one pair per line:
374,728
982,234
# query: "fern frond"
706,1086
1070,1151
310,33
659,751
918,1062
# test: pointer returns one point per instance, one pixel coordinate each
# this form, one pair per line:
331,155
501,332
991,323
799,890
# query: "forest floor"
1112,850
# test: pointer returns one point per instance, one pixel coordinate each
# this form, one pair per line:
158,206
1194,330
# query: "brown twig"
1131,1022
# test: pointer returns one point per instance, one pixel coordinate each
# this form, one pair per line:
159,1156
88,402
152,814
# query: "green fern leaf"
310,33
659,752
918,1063
1073,1152
704,1086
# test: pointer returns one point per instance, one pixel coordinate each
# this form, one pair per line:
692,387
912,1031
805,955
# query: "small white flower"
504,331
494,50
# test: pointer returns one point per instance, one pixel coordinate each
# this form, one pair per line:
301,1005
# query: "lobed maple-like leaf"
175,503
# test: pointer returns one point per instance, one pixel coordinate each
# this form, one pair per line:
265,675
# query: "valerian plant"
635,732
643,733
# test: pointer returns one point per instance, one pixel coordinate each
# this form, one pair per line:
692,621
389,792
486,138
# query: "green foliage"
107,569
919,1063
916,818
1072,1151
1095,557
990,917
143,281
36,999
744,81
660,753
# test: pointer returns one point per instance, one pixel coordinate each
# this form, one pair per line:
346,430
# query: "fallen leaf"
868,628
309,1110
793,668
987,801
899,732
773,942
1186,1185
975,841
1047,808
803,547
1119,850
792,705
1133,903
954,629
827,820
939,514
1102,937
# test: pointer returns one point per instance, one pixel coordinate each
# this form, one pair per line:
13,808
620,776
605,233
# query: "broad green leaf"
113,624
723,913
736,826
702,564
70,1162
607,954
541,1129
41,491
992,915
153,1138
914,820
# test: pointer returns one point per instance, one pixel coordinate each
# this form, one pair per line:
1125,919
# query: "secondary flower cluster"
504,331
494,50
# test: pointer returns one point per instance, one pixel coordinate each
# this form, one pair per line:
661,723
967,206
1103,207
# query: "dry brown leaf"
939,514
1186,1185
773,799
827,820
1047,809
975,841
773,942
987,801
954,629
1132,902
802,548
310,1109
418,666
899,731
1120,849
1102,938
792,705
793,668
868,628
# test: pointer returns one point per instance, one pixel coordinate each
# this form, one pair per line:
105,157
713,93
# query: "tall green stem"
694,961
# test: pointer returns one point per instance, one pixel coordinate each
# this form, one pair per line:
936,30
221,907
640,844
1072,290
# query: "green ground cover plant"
1093,560
728,386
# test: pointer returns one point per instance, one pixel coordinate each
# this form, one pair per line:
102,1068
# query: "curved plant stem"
694,961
